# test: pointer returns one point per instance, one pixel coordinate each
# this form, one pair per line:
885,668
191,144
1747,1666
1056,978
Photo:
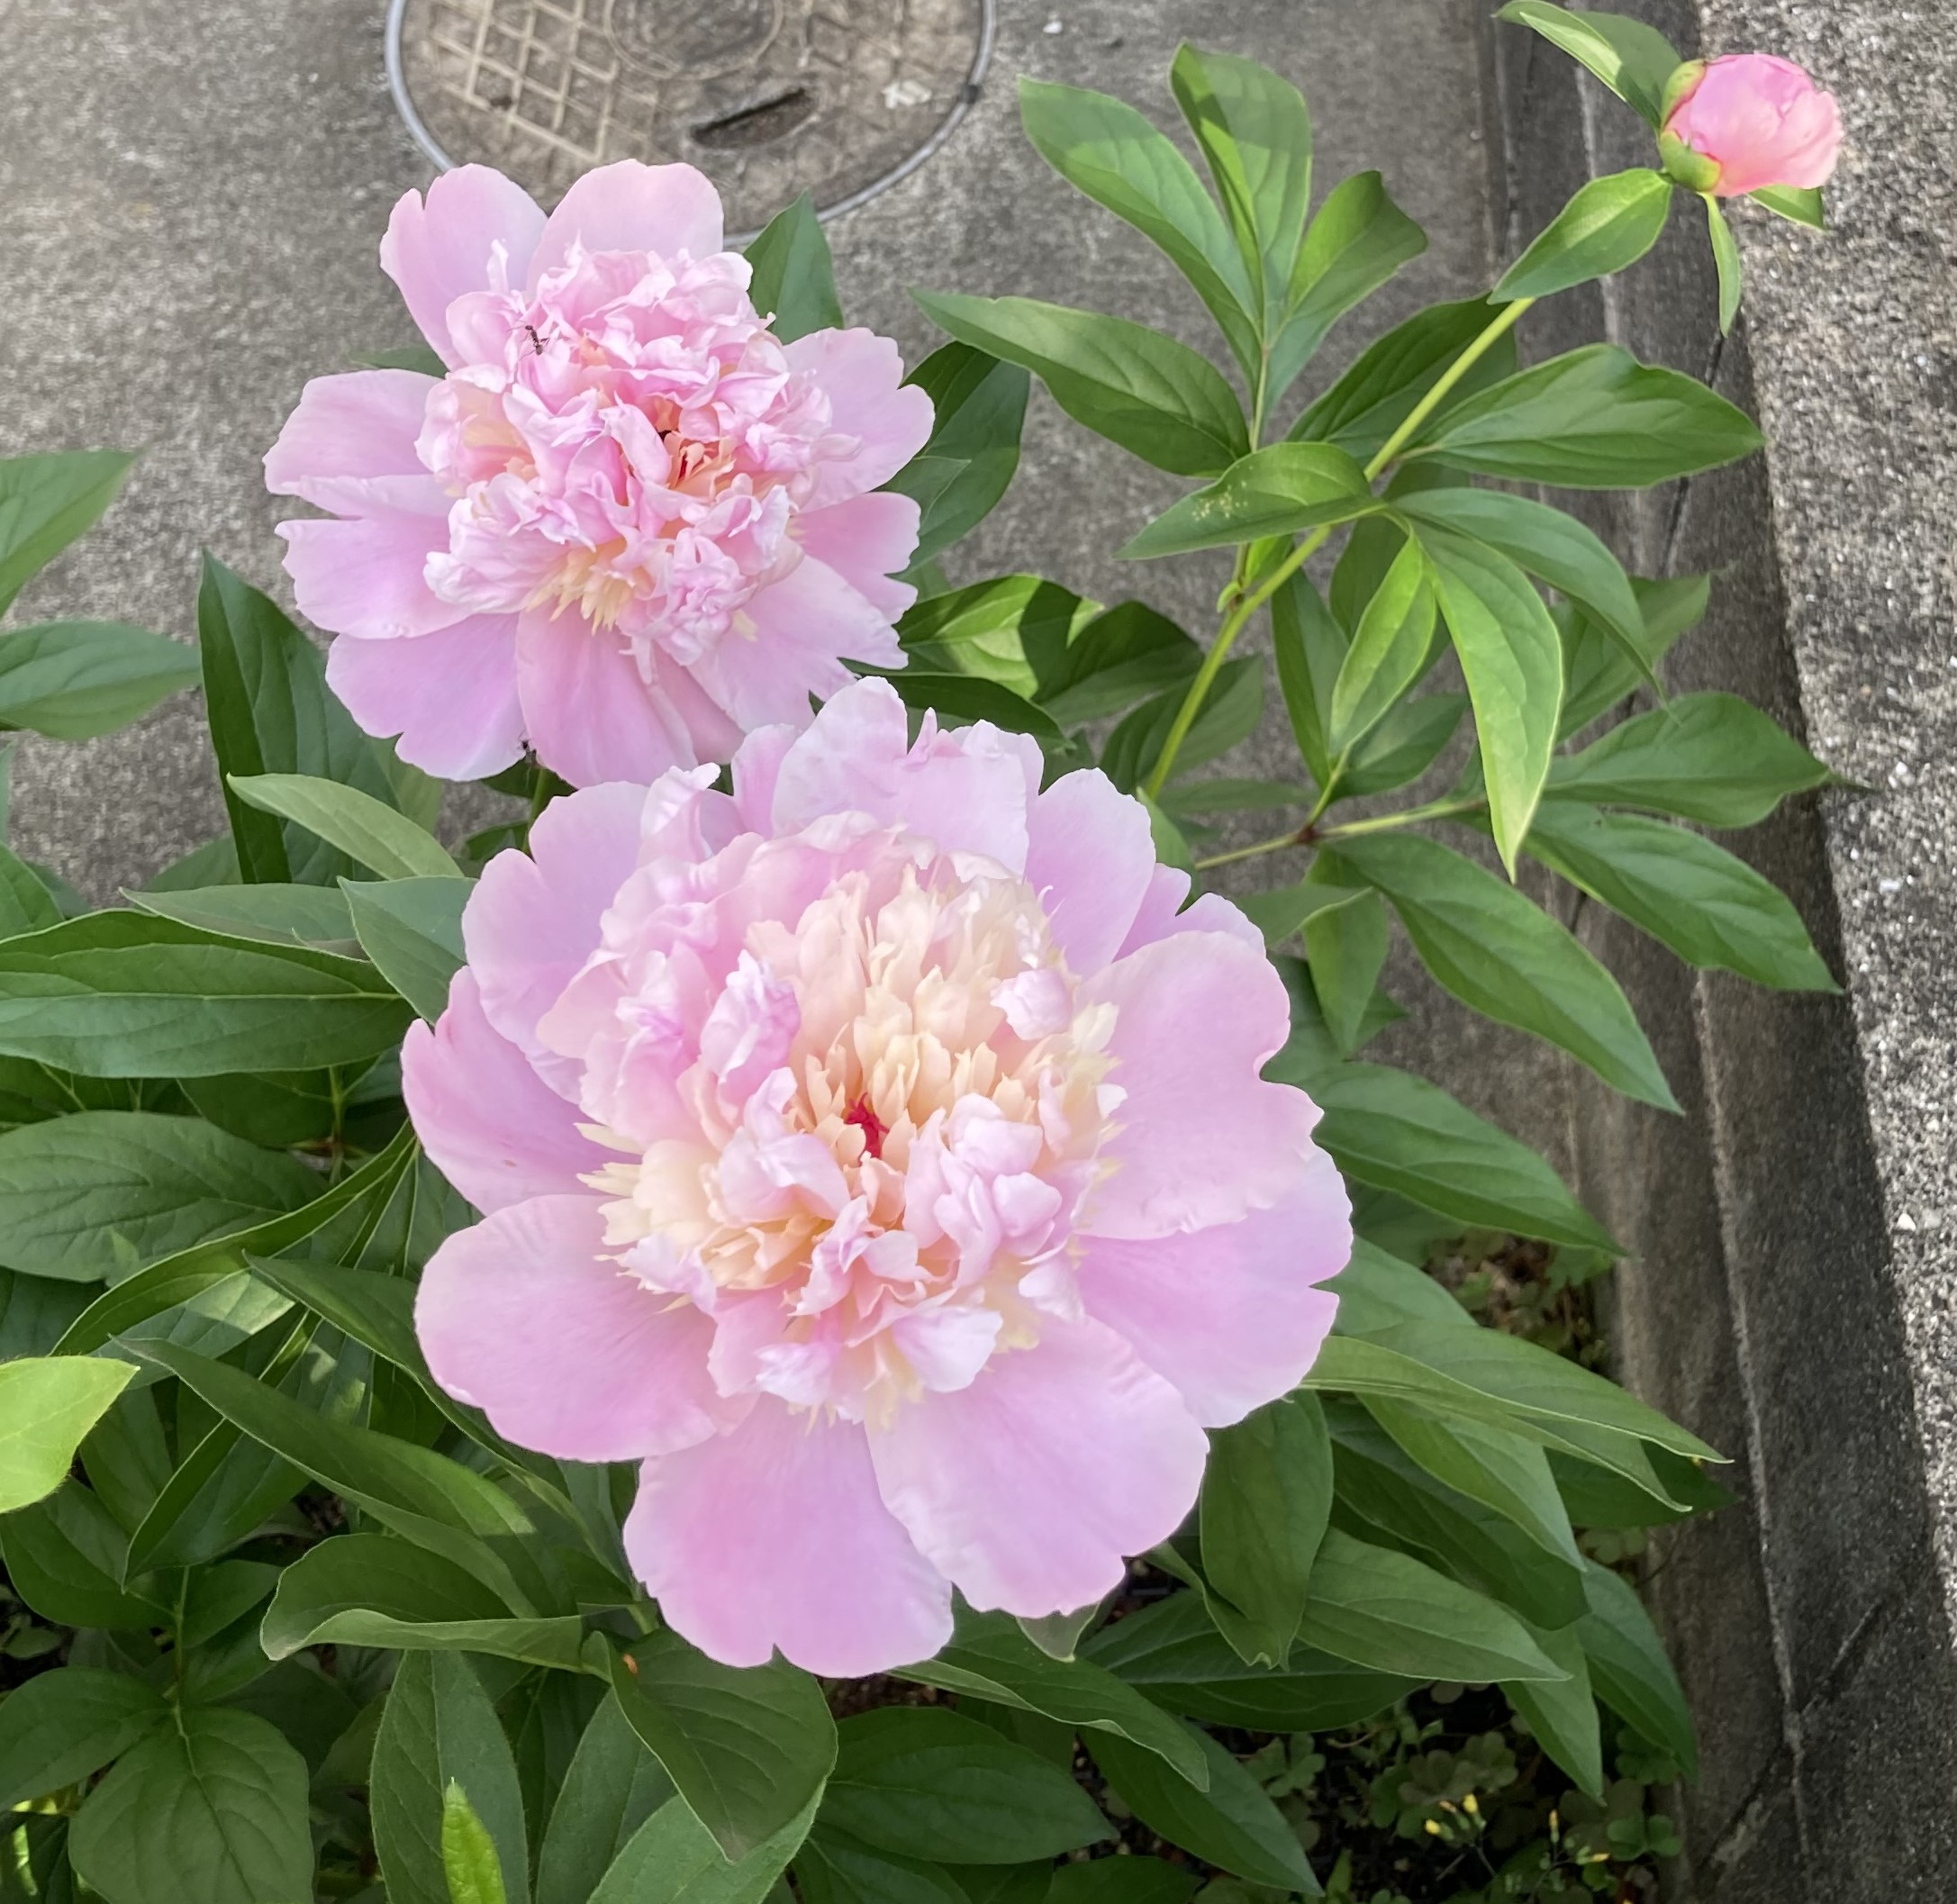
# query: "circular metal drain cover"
770,98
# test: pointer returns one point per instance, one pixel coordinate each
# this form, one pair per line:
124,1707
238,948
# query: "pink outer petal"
346,432
1157,917
1200,1138
865,540
969,790
862,374
633,207
590,716
1026,1489
1233,1315
565,1351
533,919
784,648
1091,857
449,696
773,1535
494,1129
365,576
438,250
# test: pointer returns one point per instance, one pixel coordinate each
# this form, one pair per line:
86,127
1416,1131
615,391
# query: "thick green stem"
1406,817
1245,606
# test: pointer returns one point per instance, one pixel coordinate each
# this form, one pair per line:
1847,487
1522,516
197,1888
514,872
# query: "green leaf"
1403,746
968,463
468,1853
1255,135
213,1807
65,1555
1377,394
1232,1825
962,698
411,928
1502,956
1308,646
439,1728
1714,758
1629,1669
1153,396
61,1727
1511,653
1726,256
990,1658
1276,491
279,915
1606,226
672,1859
833,1868
1712,909
1265,1498
1172,1652
47,1405
1390,649
794,277
367,831
748,1747
1598,674
1122,655
1013,629
1562,1714
127,994
1229,717
1107,149
1802,204
1122,1880
46,501
424,359
1358,240
1632,60
1593,419
925,1782
271,712
74,680
1347,944
25,903
612,1787
82,1197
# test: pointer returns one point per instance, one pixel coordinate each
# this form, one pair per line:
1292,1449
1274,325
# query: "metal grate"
769,97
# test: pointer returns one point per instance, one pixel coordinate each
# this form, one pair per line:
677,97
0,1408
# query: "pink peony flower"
877,1155
629,525
1761,121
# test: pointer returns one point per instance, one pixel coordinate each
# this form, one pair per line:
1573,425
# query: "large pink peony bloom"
630,525
1761,121
878,1154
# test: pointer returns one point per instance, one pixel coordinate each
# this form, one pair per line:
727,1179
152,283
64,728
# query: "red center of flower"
874,1129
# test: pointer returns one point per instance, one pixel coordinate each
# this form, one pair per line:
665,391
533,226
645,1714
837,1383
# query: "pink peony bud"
1758,120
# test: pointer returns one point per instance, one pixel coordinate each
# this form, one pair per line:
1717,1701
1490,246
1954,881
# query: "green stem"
1406,817
1262,846
1245,606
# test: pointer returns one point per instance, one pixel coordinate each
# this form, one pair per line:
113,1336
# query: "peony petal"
773,1535
865,540
1091,856
1028,1487
437,250
590,716
562,1349
1201,1139
364,576
494,1128
969,790
1232,1316
666,210
347,434
862,374
534,917
449,697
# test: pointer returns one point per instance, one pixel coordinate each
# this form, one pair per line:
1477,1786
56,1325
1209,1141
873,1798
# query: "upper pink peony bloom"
1761,121
877,1153
630,525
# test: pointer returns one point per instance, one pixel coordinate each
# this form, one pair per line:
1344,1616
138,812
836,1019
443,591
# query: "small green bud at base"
1684,166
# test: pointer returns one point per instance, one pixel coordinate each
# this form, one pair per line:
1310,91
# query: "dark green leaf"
47,501
1606,226
65,1556
962,698
1502,956
1403,746
925,1782
612,1787
1153,396
60,1727
1594,419
1309,647
1629,1669
1597,672
1122,1880
1276,491
1121,656
1014,630
1562,1713
795,278
213,1807
1347,945
73,680
1229,717
834,1868
1632,60
411,928
974,448
672,1859
25,905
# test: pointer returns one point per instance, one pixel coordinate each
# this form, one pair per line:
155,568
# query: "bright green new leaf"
74,680
1277,491
47,1405
1712,909
62,1727
1155,396
1632,60
974,448
1606,226
1802,204
794,277
1389,648
46,501
366,830
468,1853
1726,256
411,928
1502,956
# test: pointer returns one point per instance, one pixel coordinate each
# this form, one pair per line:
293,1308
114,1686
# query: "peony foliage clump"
810,1314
